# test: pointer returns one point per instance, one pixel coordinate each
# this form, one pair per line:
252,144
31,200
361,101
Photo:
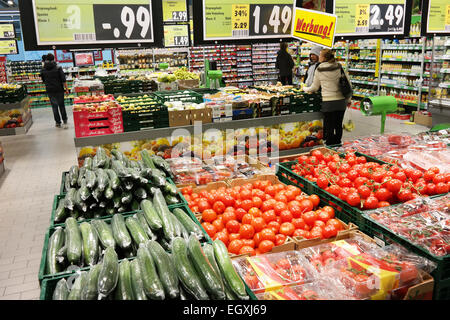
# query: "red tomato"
383,194
382,204
219,207
239,213
268,234
268,204
298,223
246,231
319,223
245,194
309,217
336,223
235,246
314,199
209,215
281,197
247,218
394,185
218,224
257,238
322,181
364,191
306,205
371,203
269,216
209,228
222,236
233,226
234,236
257,202
329,231
255,212
302,234
228,200
258,224
249,242
265,246
228,216
274,225
323,215
203,205
353,199
247,250
287,229
286,216
246,204
316,232
271,190
279,207
441,187
330,211
280,239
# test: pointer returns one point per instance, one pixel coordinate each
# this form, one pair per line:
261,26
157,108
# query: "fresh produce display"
183,74
367,185
256,216
189,272
93,99
136,103
165,77
422,221
12,118
101,106
111,183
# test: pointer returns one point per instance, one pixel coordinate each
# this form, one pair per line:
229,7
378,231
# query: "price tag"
174,10
181,41
179,16
386,18
362,17
240,19
447,18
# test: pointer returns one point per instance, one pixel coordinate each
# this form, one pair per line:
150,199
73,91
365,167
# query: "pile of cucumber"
106,185
189,272
82,245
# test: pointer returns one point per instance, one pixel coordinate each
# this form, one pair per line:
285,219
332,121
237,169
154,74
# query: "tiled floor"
34,165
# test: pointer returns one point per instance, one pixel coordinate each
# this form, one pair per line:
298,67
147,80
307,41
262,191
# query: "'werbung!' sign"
314,26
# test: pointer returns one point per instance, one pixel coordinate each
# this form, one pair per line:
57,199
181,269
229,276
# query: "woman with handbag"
336,94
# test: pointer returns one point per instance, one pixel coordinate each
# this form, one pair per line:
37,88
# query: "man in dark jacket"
55,84
285,64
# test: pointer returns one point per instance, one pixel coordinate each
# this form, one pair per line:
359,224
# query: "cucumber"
78,285
168,277
152,217
134,174
179,226
90,244
165,244
137,232
124,290
140,193
141,165
122,209
161,164
87,163
69,200
143,222
73,175
107,163
61,290
126,198
134,165
90,290
109,211
228,271
128,184
60,213
55,243
152,285
94,163
120,232
126,161
147,159
74,243
113,179
76,214
91,179
117,154
101,157
186,271
136,281
84,191
102,179
163,212
79,203
116,201
188,223
109,192
208,250
134,205
104,233
67,185
210,279
81,173
109,273
171,199
119,168
158,179
171,189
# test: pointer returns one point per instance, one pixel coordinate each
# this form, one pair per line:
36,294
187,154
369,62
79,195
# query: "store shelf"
166,132
362,58
18,130
362,48
445,70
403,47
401,60
373,83
362,70
415,74
445,85
399,86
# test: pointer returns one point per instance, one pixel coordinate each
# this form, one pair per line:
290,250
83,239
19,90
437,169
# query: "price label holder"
175,11
362,17
447,18
240,20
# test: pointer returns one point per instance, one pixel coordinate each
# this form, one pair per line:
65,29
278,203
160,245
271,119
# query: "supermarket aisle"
34,163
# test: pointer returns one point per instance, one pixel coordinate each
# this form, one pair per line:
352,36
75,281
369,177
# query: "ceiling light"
10,2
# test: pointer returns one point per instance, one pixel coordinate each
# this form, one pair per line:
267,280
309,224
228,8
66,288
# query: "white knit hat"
316,50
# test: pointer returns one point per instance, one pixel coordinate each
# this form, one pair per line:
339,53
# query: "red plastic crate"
98,123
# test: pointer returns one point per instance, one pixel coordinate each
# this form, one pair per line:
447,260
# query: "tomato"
323,215
383,194
279,207
287,229
439,178
269,216
335,190
431,189
233,236
434,169
353,199
360,181
257,202
209,228
274,225
194,209
394,185
228,200
186,190
258,224
257,238
400,176
382,204
268,234
247,250
228,216
222,236
281,197
219,207
266,246
322,181
314,199
330,211
415,175
429,175
301,233
249,242
246,204
343,194
246,231
237,203
211,198
329,231
371,203
409,272
268,204
361,285
316,232
209,215
336,223
203,205
286,216
271,190
218,224
239,213
232,226
298,223
316,153
290,195
441,187
280,239
296,212
319,223
309,217
404,195
245,194
364,191
235,246
306,205
295,190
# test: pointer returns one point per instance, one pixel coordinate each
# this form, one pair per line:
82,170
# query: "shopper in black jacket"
55,84
285,64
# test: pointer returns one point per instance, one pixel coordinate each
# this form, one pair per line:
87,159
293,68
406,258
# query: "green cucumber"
136,281
109,192
126,198
61,290
147,159
74,242
78,285
152,285
161,164
55,243
117,154
67,185
97,194
79,203
90,290
107,163
104,233
116,201
102,179
87,163
90,243
84,190
158,179
120,232
140,193
134,174
109,273
69,199
113,179
134,205
143,222
128,184
186,271
119,168
137,232
171,199
101,157
125,290
134,165
73,175
171,189
109,211
163,212
94,163
210,279
152,217
81,173
177,227
91,179
188,223
141,165
226,267
169,279
126,161
60,213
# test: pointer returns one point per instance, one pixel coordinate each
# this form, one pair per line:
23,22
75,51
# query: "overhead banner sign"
7,31
8,47
61,22
370,17
176,35
438,20
246,19
314,26
175,11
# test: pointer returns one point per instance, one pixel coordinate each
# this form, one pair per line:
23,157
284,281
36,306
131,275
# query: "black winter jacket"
53,76
284,63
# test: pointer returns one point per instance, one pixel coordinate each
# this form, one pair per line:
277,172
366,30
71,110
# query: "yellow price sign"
447,17
240,16
362,16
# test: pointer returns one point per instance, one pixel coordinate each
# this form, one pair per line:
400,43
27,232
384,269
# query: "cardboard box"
162,86
179,118
187,84
423,119
203,115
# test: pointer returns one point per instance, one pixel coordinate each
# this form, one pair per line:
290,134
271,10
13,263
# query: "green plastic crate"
442,290
62,189
180,95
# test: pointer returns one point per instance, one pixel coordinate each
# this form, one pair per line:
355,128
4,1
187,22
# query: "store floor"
34,163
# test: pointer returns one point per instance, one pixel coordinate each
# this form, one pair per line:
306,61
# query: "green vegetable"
116,201
114,180
171,199
74,243
84,191
61,290
117,155
128,185
109,192
227,269
188,223
119,168
101,157
143,222
126,198
69,199
162,164
90,244
124,290
55,243
136,281
147,160
171,189
81,173
109,273
87,163
120,232
158,179
164,213
102,179
91,179
135,165
104,233
73,175
134,205
80,282
210,279
140,193
60,213
186,270
152,285
79,202
152,217
137,232
166,274
90,290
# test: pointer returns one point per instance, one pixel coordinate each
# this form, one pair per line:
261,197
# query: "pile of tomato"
369,185
255,217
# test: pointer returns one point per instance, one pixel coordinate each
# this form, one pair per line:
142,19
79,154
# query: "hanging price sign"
176,36
362,17
174,11
240,19
438,18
